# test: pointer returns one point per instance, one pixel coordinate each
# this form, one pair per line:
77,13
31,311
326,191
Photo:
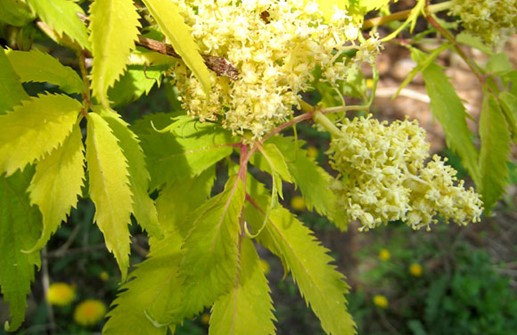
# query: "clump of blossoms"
275,46
491,20
384,177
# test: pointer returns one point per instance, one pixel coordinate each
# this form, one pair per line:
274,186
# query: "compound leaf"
57,184
321,285
247,308
11,90
172,24
19,230
495,149
114,29
450,112
63,17
37,66
35,128
144,209
109,188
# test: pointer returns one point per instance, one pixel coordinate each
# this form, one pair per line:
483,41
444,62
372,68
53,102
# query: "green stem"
402,15
325,122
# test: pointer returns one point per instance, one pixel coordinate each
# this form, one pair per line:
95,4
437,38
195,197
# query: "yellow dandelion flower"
384,254
416,270
89,312
264,265
380,301
298,203
312,152
104,276
205,318
61,294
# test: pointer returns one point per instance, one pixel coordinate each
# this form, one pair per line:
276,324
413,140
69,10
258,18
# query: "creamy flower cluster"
275,45
492,20
384,177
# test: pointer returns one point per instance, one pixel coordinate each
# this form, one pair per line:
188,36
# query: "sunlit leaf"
20,225
109,188
247,308
11,90
35,128
114,30
37,66
63,17
321,285
167,15
144,209
15,13
57,184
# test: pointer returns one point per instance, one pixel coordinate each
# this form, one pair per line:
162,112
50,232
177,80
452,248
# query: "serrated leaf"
144,209
20,225
172,24
11,90
499,64
271,160
136,81
15,13
57,183
62,16
184,153
509,106
109,188
37,66
153,281
247,308
446,106
174,206
494,153
321,285
114,30
209,263
312,180
35,128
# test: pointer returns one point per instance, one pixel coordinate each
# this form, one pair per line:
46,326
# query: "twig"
220,65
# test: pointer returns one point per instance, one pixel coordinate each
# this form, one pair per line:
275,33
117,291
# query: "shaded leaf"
509,107
114,30
15,13
35,128
172,24
37,66
184,152
450,112
136,81
62,16
11,90
20,225
247,308
57,183
495,150
321,285
109,188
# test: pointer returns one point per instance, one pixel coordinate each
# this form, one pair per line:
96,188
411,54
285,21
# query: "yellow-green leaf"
109,188
172,24
114,29
20,225
15,13
321,285
247,308
35,128
144,209
11,90
63,17
37,66
57,184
